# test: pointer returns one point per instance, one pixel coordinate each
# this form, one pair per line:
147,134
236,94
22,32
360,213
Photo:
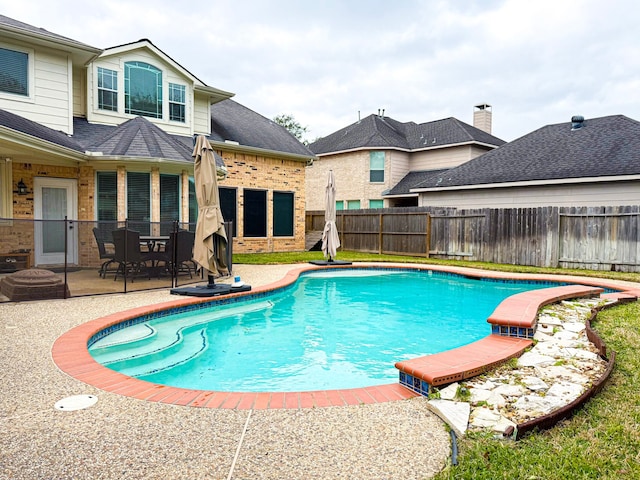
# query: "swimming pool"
330,330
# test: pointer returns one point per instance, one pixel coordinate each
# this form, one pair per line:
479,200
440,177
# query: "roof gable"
377,131
605,146
146,44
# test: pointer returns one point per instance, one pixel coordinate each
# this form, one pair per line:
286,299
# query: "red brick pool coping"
71,355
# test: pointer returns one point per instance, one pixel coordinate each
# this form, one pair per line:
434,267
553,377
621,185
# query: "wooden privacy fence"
597,238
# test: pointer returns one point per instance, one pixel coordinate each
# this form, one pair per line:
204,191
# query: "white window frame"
170,102
30,74
116,90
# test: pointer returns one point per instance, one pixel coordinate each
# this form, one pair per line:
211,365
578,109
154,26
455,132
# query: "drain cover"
76,402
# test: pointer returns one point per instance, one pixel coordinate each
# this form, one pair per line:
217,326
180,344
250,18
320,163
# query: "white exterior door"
55,198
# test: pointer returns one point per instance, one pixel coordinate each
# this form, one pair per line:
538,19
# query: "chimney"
482,117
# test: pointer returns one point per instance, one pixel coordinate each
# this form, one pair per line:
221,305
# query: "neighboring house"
105,135
378,160
593,162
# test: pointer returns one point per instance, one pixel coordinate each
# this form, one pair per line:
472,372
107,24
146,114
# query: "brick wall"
271,174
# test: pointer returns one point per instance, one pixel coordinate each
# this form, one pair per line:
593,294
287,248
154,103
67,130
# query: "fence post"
428,235
380,234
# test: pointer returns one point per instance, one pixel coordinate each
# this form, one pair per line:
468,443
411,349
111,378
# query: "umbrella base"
209,290
329,262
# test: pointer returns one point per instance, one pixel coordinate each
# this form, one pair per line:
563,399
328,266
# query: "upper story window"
14,72
177,102
142,89
376,166
107,89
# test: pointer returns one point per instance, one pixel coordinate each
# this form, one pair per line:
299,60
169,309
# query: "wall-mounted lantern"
21,188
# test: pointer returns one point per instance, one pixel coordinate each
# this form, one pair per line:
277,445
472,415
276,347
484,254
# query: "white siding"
447,157
568,195
201,115
398,167
169,75
80,92
50,103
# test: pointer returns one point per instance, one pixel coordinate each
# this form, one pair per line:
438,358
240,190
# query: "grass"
602,441
303,257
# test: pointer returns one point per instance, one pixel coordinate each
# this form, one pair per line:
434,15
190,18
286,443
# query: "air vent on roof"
577,122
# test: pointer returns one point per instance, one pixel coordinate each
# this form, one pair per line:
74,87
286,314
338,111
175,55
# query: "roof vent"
577,122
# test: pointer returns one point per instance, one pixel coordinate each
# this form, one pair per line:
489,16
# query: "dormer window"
107,89
142,89
177,102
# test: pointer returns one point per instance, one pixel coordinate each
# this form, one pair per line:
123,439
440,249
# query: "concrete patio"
124,438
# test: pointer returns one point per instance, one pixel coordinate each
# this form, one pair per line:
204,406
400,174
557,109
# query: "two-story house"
378,160
107,135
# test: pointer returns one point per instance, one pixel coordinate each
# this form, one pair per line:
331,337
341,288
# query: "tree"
289,122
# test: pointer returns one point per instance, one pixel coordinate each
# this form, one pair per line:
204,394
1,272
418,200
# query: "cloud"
536,63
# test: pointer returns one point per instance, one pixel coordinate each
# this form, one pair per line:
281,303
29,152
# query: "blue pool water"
330,330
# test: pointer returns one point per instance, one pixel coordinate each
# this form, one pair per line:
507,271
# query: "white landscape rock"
531,359
574,327
455,414
449,392
552,374
535,384
566,390
510,390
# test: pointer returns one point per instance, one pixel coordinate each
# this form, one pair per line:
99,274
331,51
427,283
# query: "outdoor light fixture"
22,188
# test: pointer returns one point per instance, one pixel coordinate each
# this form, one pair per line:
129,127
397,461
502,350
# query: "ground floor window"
139,201
255,213
283,214
228,206
340,205
193,204
376,203
106,196
353,204
169,201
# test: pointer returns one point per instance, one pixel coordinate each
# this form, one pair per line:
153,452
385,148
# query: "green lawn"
602,441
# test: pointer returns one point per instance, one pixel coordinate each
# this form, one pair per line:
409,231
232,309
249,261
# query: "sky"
329,62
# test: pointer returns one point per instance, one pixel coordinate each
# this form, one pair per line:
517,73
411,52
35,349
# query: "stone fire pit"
33,284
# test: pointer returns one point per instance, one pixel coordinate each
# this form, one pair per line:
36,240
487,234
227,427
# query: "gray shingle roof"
605,146
139,137
34,129
376,131
41,32
235,122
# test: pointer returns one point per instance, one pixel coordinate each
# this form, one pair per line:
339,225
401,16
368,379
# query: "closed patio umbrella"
210,247
330,238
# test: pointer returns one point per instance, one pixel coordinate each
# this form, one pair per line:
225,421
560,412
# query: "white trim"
71,187
6,189
408,150
31,74
530,183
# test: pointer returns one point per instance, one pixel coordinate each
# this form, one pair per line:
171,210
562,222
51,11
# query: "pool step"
177,342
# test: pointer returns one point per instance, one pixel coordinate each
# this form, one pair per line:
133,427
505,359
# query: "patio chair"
182,241
131,260
103,238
